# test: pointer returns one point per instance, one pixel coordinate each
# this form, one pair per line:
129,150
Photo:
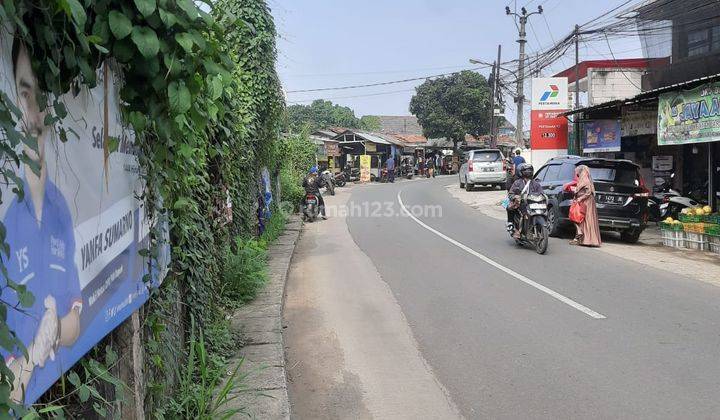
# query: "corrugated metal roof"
372,137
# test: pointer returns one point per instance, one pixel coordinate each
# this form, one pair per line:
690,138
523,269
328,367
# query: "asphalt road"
485,318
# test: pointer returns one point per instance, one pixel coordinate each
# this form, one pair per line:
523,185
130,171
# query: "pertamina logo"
552,93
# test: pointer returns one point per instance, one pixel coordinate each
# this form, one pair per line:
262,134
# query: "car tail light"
644,192
470,166
666,199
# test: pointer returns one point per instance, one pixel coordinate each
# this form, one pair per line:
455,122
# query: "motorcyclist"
514,211
312,184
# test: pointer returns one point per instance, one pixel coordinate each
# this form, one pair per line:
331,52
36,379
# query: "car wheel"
554,221
630,236
460,181
468,186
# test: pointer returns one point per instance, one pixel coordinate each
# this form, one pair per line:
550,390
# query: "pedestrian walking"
421,166
390,166
430,167
438,162
517,161
585,210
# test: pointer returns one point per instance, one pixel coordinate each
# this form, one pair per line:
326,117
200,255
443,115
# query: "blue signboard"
601,136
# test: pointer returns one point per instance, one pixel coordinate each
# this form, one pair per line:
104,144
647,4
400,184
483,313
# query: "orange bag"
577,212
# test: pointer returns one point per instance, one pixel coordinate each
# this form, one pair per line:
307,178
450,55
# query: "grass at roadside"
205,387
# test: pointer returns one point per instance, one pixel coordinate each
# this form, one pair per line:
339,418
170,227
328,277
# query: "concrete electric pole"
520,98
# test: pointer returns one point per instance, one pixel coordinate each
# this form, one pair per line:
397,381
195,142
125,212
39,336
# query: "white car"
482,167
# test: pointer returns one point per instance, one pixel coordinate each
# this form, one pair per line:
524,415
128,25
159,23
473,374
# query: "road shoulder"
349,349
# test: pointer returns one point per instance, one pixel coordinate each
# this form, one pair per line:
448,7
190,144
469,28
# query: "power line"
353,96
392,82
375,72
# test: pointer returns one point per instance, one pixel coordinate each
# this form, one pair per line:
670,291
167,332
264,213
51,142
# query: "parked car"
482,167
620,194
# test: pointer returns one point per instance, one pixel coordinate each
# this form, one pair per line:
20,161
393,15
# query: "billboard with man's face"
74,237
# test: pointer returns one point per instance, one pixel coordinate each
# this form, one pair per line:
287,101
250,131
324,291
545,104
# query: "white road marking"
556,295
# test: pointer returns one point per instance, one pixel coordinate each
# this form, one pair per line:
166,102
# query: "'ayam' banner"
689,116
74,238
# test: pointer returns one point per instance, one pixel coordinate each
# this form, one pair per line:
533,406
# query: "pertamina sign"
548,128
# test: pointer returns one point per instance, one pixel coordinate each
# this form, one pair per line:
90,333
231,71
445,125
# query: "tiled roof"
399,124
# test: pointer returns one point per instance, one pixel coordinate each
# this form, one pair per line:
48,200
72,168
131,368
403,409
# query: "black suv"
620,194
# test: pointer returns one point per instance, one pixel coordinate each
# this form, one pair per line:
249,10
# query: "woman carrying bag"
583,211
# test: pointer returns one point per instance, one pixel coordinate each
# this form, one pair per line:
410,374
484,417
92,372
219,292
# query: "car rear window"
486,156
624,175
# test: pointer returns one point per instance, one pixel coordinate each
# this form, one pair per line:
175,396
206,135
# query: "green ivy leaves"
145,7
146,41
180,98
120,25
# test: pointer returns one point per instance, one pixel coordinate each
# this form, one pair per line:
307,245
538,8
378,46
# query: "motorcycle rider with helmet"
514,212
312,184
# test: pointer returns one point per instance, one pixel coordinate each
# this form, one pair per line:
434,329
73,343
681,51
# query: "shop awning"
645,96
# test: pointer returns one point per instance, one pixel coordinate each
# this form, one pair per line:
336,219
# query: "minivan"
620,194
482,167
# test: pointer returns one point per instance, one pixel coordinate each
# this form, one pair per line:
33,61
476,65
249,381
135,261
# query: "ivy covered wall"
203,98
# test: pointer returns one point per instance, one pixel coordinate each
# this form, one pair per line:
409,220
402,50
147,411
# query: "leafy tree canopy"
370,123
319,114
453,106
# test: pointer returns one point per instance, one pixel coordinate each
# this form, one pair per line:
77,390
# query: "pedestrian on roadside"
588,231
421,166
438,162
390,166
430,167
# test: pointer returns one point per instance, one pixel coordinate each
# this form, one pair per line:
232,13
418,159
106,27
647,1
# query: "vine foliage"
203,99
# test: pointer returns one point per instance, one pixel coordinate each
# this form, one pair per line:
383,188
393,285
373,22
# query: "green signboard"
689,116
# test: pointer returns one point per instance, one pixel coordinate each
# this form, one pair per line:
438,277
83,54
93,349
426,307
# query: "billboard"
549,93
548,130
689,116
601,136
74,237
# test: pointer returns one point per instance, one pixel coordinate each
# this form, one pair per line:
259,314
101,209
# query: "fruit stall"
696,228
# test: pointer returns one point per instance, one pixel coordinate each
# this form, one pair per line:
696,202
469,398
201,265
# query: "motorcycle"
340,180
351,174
407,171
533,222
328,181
311,208
667,202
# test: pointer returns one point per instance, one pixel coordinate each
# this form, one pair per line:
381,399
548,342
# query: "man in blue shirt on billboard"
42,248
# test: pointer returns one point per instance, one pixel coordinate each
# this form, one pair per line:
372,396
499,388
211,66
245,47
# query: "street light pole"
576,125
496,97
520,98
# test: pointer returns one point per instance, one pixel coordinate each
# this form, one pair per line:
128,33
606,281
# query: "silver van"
482,167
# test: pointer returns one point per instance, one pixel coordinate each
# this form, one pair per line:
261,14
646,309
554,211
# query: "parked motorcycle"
533,222
667,202
328,181
311,208
351,174
340,179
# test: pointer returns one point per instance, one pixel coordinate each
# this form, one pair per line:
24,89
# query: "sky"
331,43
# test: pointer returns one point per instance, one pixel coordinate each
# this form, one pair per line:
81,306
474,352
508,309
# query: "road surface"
442,311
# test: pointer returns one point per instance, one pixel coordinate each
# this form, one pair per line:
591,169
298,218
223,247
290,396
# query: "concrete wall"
613,84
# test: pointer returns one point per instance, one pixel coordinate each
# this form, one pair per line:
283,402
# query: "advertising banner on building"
332,148
638,122
689,116
364,168
74,237
601,136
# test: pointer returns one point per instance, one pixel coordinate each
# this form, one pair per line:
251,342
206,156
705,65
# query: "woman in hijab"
588,232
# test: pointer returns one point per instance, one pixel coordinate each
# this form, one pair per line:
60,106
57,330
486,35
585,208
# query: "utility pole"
493,97
520,98
576,122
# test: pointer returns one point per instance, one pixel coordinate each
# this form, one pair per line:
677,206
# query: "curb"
264,393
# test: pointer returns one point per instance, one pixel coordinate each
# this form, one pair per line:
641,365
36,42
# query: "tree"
370,123
453,106
319,114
